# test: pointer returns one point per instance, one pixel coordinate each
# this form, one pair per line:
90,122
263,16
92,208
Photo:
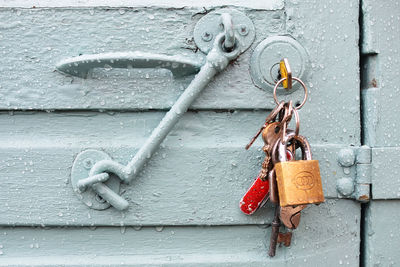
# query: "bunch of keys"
288,183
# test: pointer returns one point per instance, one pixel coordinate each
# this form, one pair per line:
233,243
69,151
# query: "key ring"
302,84
288,112
296,116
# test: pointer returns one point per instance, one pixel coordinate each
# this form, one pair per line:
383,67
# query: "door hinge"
356,183
357,161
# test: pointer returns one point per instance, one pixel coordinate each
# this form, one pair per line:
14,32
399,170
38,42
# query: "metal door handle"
81,65
91,168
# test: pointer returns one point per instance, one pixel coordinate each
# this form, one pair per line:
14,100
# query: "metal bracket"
211,25
264,63
355,184
80,170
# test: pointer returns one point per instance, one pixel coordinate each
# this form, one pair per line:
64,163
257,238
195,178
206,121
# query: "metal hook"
226,22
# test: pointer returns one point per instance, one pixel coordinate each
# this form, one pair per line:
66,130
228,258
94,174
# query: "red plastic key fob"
255,196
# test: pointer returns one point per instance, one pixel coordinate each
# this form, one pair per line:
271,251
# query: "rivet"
207,36
345,186
346,157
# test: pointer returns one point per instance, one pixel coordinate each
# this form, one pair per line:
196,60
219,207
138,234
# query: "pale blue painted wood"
200,172
385,181
382,239
29,80
202,163
269,5
314,243
380,45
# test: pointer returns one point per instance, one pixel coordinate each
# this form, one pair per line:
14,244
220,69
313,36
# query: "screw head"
207,36
243,30
88,163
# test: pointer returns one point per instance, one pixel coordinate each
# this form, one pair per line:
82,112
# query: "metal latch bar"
93,168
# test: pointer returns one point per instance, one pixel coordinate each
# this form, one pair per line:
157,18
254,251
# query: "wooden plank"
384,175
202,163
86,129
381,238
314,243
381,84
61,33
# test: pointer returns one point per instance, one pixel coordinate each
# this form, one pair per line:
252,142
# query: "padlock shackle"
282,147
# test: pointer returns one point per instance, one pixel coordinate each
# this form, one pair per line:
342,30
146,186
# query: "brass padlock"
299,181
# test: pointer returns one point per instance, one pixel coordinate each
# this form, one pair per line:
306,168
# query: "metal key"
276,236
276,223
257,194
271,118
273,186
290,215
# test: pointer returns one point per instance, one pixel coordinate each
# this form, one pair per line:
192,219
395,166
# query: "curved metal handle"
81,65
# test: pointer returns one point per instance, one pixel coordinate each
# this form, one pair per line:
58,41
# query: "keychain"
289,183
257,194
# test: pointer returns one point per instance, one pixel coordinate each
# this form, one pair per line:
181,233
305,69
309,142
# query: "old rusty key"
276,223
271,117
271,131
290,215
257,194
276,236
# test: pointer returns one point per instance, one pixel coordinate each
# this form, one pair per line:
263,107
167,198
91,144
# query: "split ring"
302,84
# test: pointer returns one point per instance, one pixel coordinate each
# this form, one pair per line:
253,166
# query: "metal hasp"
92,169
264,63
